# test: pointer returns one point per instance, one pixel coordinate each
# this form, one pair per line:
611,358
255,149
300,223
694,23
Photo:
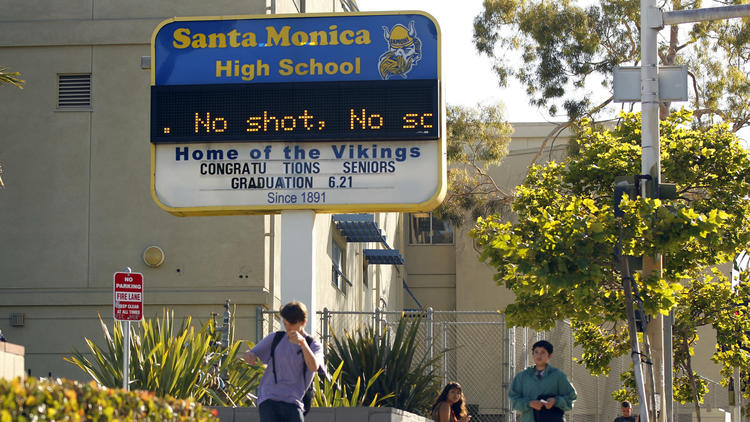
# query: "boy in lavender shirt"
280,396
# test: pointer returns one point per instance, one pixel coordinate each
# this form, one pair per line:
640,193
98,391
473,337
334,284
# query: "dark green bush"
32,399
409,380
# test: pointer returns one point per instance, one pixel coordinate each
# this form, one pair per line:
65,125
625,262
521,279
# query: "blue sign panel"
296,49
302,78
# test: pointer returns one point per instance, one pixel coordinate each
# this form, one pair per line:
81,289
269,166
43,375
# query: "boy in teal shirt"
542,393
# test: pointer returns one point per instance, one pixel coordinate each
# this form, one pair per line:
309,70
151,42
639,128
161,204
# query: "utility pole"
651,165
652,21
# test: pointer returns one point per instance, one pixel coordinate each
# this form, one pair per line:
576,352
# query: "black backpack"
307,398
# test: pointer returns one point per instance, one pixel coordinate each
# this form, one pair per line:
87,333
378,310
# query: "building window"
74,91
337,271
426,229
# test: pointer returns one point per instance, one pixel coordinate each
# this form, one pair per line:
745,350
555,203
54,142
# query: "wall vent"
17,319
74,91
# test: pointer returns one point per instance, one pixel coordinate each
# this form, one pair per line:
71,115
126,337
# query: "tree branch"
552,135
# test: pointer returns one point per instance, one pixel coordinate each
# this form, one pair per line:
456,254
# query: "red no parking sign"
128,296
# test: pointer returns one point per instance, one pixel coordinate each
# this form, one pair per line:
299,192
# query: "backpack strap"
309,341
322,373
276,340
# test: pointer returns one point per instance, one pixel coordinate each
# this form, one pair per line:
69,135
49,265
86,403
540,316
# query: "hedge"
34,399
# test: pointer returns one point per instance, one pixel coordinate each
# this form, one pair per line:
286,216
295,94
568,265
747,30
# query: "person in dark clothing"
627,413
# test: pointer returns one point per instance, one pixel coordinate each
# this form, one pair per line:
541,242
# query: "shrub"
407,374
32,399
180,363
331,392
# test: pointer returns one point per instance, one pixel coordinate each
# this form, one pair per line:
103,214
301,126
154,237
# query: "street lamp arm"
705,14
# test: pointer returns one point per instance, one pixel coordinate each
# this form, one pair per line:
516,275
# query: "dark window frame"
426,229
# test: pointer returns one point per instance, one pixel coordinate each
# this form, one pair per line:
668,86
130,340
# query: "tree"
478,138
710,300
566,50
559,258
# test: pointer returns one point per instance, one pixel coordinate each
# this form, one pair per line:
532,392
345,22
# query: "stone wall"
328,414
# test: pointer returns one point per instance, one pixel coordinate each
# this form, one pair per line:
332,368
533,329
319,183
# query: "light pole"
651,165
652,21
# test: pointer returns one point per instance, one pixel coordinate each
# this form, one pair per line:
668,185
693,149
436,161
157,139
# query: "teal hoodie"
526,387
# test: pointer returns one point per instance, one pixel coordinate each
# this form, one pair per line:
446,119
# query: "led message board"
335,113
303,111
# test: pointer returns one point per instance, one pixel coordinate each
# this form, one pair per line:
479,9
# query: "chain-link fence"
470,346
473,341
595,403
483,355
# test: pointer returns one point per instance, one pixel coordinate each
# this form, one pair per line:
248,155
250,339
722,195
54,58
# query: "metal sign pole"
737,411
126,350
126,355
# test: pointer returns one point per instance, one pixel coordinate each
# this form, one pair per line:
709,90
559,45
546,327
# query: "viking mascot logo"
404,51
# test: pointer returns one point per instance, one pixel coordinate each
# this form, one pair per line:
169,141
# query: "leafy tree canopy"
559,258
568,50
478,138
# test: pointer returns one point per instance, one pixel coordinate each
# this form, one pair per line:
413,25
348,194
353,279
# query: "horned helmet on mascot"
404,51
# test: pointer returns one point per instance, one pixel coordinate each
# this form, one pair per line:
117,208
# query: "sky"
468,77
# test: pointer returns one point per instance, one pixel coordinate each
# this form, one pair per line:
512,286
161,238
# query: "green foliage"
331,392
628,391
32,399
602,345
683,390
182,363
477,139
567,51
559,258
404,371
728,310
11,78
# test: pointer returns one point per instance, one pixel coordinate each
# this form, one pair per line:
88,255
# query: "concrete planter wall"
11,360
328,414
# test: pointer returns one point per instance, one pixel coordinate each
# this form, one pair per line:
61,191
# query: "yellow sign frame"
427,205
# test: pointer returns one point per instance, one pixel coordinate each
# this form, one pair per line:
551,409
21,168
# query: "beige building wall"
77,205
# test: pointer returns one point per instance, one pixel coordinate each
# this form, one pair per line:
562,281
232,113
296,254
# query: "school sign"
259,114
